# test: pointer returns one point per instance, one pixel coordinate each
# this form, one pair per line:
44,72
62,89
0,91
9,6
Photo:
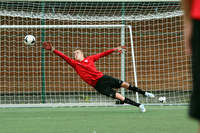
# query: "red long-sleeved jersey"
86,68
195,9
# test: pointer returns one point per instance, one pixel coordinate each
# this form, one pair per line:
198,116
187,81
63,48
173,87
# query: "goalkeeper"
104,84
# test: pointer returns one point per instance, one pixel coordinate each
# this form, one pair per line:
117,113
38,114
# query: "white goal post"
43,27
152,31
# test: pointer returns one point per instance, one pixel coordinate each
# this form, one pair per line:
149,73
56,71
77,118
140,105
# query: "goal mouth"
152,31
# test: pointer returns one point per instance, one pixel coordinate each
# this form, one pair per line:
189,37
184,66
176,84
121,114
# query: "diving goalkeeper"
85,68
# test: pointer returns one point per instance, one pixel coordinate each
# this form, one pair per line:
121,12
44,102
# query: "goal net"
151,31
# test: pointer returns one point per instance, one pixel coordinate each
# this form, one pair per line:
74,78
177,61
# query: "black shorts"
106,84
194,109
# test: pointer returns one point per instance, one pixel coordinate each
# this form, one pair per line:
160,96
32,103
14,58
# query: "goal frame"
43,104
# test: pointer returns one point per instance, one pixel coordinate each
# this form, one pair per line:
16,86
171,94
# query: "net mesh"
29,75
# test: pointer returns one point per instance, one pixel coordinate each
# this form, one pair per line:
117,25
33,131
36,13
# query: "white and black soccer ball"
162,99
29,40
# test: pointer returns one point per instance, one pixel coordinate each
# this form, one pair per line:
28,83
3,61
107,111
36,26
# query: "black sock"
133,88
129,101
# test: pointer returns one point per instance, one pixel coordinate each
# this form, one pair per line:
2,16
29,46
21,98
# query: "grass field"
127,119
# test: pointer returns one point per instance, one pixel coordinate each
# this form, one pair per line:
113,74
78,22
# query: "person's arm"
65,57
97,56
187,24
48,46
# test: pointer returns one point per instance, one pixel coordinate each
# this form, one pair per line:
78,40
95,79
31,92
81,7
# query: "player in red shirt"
192,41
85,68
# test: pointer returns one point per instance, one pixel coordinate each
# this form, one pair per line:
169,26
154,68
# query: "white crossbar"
58,26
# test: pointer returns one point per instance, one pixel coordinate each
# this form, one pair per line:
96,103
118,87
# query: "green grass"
127,119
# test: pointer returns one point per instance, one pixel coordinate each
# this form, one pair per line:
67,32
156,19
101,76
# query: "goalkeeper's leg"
136,89
129,101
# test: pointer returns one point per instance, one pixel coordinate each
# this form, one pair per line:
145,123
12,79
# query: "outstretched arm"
117,49
48,46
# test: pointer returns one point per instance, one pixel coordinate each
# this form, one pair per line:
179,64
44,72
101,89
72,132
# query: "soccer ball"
162,99
29,40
